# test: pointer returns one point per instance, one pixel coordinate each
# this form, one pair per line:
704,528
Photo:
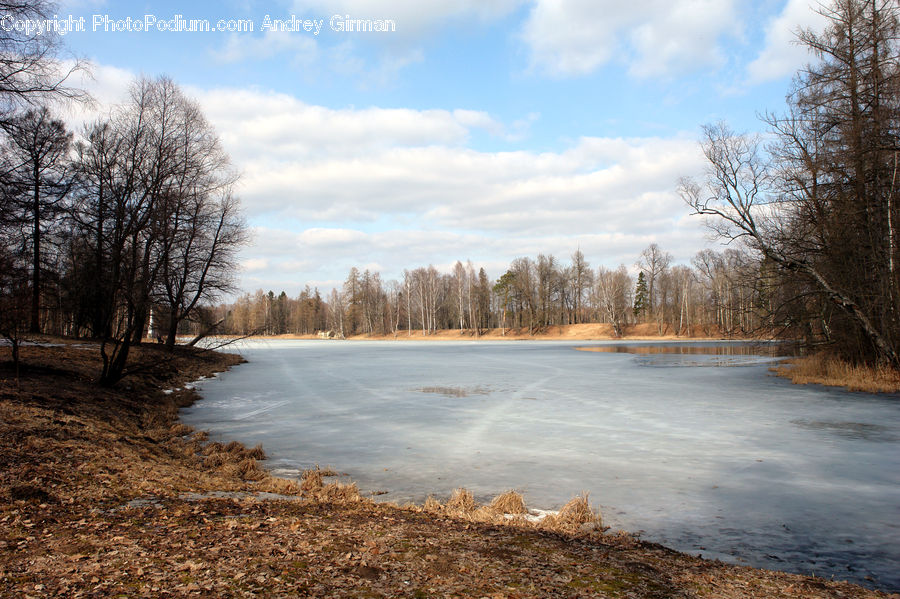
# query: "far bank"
568,332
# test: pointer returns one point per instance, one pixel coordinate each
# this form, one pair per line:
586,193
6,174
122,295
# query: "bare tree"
654,262
199,257
614,294
739,194
582,279
152,198
31,72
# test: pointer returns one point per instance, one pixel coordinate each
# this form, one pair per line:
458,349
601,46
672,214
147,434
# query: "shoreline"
570,332
96,505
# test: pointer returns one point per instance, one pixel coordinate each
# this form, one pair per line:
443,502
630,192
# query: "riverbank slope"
104,493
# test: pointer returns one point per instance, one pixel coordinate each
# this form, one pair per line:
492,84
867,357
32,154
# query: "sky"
479,130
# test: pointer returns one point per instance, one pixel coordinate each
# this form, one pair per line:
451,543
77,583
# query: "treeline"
718,294
126,224
819,202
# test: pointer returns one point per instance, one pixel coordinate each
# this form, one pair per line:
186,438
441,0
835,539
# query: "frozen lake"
707,454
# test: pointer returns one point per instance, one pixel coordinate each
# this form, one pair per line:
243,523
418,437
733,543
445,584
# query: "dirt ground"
103,493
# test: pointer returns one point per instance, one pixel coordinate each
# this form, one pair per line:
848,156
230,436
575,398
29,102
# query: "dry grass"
311,481
246,469
340,493
462,502
181,430
281,486
235,448
509,509
509,503
432,505
214,461
823,369
256,453
312,486
214,448
575,515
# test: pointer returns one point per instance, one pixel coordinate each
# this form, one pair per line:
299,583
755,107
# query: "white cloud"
254,264
653,37
278,126
328,189
781,56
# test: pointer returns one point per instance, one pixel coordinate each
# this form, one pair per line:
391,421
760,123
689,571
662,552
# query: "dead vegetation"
828,370
509,502
576,515
103,493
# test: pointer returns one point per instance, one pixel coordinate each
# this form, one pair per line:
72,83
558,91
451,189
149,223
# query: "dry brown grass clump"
432,504
256,453
313,486
509,509
311,481
233,453
214,460
235,447
575,515
181,430
509,503
213,448
462,501
246,469
823,369
340,493
281,486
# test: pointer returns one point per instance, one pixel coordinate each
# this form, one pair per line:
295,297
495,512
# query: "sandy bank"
571,332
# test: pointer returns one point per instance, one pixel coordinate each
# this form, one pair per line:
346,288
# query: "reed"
829,370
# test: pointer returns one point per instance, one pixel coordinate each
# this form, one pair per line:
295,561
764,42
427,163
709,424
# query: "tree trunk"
204,333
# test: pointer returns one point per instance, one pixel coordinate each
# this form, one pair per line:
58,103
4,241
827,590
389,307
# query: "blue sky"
477,130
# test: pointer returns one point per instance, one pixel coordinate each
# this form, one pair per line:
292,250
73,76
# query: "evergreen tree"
641,296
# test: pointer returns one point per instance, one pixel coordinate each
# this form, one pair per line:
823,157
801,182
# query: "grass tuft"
281,486
235,447
510,502
311,481
462,501
432,504
341,493
575,515
256,453
214,448
247,469
214,460
180,430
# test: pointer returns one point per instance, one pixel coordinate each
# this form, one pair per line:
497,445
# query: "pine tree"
641,296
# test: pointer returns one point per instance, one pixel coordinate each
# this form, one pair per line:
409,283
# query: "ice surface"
728,461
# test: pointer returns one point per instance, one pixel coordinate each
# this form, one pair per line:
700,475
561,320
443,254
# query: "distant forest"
719,294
